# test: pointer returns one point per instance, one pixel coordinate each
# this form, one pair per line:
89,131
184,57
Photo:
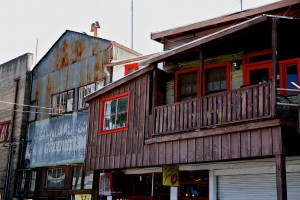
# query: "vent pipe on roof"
94,28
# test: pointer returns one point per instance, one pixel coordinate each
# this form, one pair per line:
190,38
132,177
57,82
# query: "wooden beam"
201,66
281,177
274,66
214,131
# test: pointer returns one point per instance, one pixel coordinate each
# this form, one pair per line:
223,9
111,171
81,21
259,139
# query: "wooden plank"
207,148
161,119
234,105
224,108
255,103
244,105
225,146
220,111
185,116
245,144
191,150
134,133
267,100
177,113
235,145
249,104
274,66
146,160
261,102
161,153
199,150
176,157
209,113
108,144
183,156
255,143
216,145
169,118
157,120
173,122
169,150
133,160
204,111
165,120
277,140
266,137
181,117
239,105
190,114
281,177
214,110
229,108
147,93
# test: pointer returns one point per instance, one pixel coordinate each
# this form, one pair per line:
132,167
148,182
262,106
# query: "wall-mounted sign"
4,131
83,197
170,175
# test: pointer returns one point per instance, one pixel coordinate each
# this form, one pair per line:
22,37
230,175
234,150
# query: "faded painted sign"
57,140
170,175
4,131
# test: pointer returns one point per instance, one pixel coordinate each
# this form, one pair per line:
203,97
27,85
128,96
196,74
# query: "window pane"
110,107
32,181
76,182
88,180
56,177
70,101
291,76
109,122
215,79
259,76
122,104
121,120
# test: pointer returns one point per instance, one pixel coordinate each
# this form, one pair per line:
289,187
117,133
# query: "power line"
35,112
24,105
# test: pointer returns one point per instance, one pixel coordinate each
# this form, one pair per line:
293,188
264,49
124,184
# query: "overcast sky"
23,22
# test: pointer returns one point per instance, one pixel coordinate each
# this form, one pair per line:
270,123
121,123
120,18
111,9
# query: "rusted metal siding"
57,141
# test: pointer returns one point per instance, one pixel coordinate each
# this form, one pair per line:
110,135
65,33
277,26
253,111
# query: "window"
4,131
289,72
186,84
76,182
32,181
63,102
216,78
88,180
56,177
21,182
114,115
83,91
130,68
257,67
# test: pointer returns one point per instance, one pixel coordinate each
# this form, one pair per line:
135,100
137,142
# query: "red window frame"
217,65
255,65
283,72
2,125
133,66
119,96
194,69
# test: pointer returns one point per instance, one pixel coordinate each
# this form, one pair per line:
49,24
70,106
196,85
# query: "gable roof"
227,18
113,43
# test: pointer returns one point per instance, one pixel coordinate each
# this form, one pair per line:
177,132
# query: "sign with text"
83,197
170,175
4,131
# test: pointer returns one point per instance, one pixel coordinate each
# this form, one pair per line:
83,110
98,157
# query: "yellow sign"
83,197
170,175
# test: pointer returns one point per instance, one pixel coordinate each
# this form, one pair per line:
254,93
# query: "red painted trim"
247,66
2,124
101,131
194,69
134,66
162,95
283,65
217,65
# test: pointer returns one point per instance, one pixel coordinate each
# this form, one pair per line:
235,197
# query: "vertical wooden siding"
120,149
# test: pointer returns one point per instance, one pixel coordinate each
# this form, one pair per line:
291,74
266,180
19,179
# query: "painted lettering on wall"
57,140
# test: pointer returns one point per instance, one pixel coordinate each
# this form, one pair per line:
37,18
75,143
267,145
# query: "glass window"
56,177
22,181
63,102
76,182
88,180
216,78
32,181
115,112
186,84
84,91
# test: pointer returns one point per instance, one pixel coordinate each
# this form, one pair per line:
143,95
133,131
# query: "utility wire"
35,112
24,105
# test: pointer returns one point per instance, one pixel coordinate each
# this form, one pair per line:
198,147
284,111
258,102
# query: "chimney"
94,28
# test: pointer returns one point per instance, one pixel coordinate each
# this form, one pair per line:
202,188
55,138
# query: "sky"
34,25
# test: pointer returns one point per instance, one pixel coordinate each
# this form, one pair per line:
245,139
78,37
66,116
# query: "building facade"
219,121
15,88
56,138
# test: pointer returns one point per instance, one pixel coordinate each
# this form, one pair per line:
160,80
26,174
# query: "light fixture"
236,64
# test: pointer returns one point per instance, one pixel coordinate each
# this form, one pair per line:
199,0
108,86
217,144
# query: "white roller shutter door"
255,186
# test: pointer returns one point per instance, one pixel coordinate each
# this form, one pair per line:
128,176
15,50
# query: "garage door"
255,186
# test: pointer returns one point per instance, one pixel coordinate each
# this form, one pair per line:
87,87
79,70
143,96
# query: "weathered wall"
16,68
57,141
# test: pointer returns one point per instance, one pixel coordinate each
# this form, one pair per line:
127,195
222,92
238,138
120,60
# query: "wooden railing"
244,104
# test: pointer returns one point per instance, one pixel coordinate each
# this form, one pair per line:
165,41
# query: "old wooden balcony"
235,106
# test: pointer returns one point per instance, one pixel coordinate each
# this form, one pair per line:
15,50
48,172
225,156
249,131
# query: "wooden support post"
274,67
154,100
281,177
201,69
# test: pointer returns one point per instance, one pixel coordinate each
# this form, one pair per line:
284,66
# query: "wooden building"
216,111
55,151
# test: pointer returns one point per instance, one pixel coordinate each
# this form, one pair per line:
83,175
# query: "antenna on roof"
131,24
241,4
94,28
